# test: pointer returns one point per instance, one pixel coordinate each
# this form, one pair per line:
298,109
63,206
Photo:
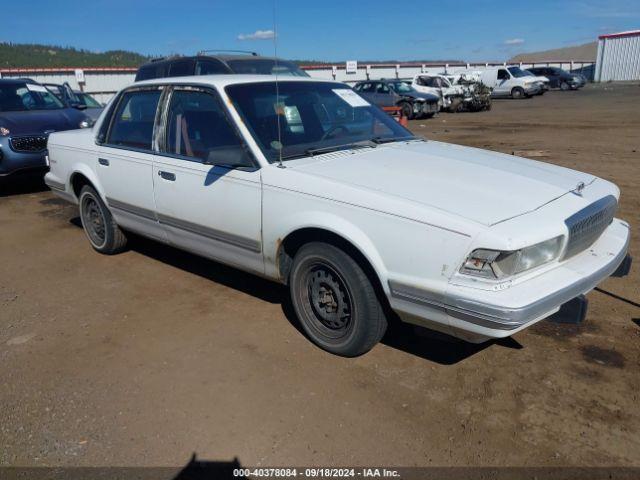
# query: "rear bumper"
478,315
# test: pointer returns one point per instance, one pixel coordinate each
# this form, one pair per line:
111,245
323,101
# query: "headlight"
86,123
497,264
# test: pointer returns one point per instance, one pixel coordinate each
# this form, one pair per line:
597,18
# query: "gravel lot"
147,357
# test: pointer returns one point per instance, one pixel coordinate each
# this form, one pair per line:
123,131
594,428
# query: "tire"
407,110
335,301
564,86
101,229
517,93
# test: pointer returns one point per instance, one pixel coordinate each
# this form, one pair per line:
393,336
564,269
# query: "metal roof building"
618,57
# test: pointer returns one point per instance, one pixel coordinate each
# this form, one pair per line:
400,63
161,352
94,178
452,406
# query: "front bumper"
532,89
477,315
15,162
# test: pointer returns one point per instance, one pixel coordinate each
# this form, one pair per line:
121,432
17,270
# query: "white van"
509,83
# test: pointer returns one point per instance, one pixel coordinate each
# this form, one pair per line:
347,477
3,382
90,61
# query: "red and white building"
618,57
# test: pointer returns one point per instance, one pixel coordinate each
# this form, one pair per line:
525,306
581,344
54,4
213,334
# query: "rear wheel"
335,301
101,229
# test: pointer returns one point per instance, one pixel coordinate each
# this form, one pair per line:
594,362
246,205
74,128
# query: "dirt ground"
150,356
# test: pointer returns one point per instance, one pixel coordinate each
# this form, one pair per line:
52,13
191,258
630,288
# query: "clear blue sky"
470,30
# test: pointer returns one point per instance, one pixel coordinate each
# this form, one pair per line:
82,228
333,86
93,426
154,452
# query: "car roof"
222,57
222,80
9,81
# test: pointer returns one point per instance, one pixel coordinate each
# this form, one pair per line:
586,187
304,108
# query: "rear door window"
181,68
132,124
210,67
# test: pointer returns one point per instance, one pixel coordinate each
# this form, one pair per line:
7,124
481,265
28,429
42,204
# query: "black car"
396,93
28,114
559,78
205,64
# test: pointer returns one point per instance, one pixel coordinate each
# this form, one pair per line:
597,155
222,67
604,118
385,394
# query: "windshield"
310,116
517,72
88,100
401,87
18,97
528,73
266,66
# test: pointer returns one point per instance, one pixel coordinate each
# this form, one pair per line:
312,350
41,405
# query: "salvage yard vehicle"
543,82
505,83
396,93
306,183
559,78
75,99
457,93
215,63
28,114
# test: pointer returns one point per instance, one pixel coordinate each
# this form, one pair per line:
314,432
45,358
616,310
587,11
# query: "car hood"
428,97
38,122
480,185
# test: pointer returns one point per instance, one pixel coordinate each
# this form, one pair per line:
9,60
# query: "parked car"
76,99
505,83
353,212
209,64
543,82
396,93
28,114
559,78
456,94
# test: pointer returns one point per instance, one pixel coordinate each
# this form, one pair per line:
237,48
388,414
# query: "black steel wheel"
407,110
335,300
101,229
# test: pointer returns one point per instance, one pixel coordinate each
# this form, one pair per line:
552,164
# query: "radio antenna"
278,112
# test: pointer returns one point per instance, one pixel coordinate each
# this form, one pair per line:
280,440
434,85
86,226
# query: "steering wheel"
333,130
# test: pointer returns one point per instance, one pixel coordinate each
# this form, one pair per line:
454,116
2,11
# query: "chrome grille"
586,226
30,144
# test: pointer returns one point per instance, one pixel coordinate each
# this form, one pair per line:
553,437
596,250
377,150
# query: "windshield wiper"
380,140
316,151
344,146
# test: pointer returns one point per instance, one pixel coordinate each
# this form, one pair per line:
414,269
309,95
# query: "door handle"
103,161
167,175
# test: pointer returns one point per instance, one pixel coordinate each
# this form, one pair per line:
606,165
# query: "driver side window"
197,127
503,74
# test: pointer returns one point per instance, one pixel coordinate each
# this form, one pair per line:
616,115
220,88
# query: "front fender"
323,221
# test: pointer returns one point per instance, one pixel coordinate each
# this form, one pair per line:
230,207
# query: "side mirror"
231,157
79,106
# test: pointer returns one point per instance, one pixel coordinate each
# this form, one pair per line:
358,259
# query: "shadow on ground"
209,470
417,341
21,185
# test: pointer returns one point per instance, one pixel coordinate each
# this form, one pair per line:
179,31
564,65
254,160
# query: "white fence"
103,83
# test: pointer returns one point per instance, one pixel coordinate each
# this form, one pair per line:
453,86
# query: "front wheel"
335,300
101,229
564,86
407,110
517,93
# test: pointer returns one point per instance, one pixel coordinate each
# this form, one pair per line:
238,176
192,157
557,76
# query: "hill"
586,52
14,55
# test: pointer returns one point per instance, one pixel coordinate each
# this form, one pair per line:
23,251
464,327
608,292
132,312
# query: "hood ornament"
579,188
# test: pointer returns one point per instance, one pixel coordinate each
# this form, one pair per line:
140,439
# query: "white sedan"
305,183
